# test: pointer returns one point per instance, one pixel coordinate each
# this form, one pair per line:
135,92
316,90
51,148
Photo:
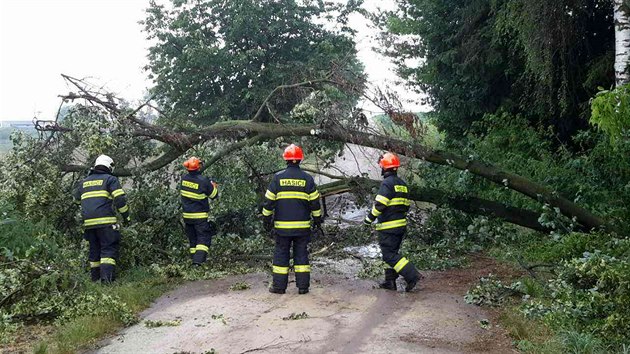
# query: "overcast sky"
100,39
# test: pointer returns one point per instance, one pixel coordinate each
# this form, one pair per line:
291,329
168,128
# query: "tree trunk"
507,179
622,42
469,205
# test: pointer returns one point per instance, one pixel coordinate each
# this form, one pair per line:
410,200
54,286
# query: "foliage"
610,112
219,317
239,286
429,135
5,137
372,269
296,316
216,58
540,59
591,293
43,272
491,292
448,236
579,287
597,176
159,323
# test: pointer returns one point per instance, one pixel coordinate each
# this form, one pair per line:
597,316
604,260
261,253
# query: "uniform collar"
389,174
98,171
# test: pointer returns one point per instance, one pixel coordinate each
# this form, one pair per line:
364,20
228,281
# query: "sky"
103,41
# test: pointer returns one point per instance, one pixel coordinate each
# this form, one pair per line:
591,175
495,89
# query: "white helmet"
106,161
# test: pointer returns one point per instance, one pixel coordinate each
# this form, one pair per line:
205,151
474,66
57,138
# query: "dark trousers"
199,236
390,242
104,247
281,259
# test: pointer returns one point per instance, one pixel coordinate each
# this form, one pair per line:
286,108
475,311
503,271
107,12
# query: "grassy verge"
543,258
137,289
531,336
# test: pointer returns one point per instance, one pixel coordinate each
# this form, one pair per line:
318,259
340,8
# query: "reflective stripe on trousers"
100,221
292,224
391,224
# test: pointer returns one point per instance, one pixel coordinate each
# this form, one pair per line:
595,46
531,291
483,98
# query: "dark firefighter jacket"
391,204
195,189
292,198
99,193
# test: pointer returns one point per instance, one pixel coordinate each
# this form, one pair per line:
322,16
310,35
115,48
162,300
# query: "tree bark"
622,42
469,205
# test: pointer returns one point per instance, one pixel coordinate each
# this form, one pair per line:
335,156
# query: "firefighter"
391,208
290,202
99,193
195,189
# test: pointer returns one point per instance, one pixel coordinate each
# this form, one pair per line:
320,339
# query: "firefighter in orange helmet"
290,202
390,208
195,189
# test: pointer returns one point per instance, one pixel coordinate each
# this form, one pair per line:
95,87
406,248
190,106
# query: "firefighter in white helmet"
101,195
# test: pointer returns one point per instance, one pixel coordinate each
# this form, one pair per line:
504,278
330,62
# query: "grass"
238,286
524,331
532,336
137,288
77,333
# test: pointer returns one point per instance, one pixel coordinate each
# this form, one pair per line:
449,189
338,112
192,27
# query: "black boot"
107,273
276,290
411,275
390,280
95,274
303,291
413,282
201,255
388,285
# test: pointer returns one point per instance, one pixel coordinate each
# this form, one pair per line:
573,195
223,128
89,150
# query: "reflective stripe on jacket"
101,195
292,198
391,204
195,189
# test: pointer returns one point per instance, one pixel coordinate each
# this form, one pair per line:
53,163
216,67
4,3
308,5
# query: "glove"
267,223
367,221
127,221
317,221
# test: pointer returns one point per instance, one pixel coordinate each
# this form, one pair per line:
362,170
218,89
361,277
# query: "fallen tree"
470,205
245,132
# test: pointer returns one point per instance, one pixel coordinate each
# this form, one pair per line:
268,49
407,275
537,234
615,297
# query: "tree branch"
163,160
264,104
470,205
236,146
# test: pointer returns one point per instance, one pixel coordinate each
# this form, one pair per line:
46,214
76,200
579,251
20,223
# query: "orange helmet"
192,164
293,153
389,160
